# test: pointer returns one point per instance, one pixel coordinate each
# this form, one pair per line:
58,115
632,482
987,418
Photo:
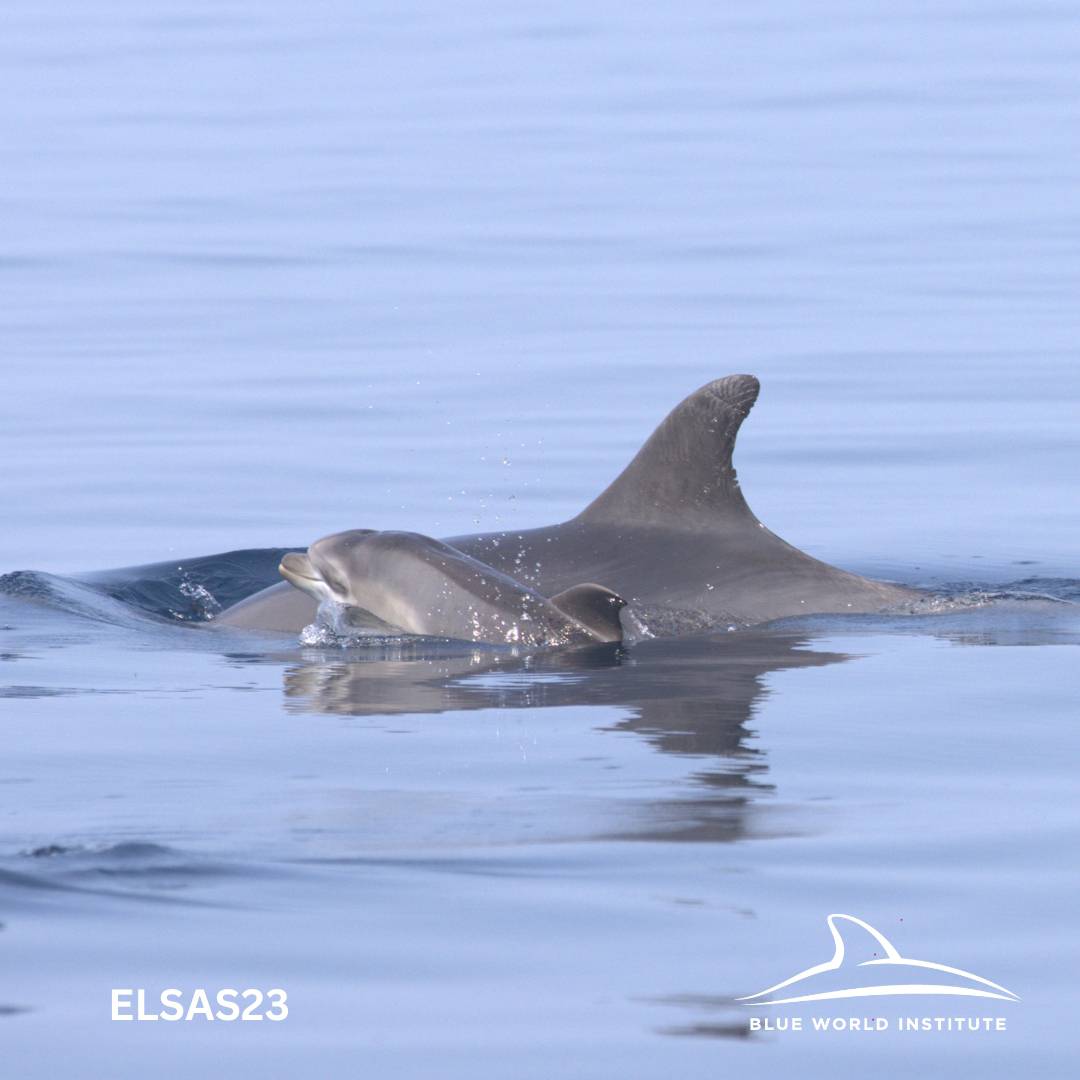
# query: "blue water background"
268,271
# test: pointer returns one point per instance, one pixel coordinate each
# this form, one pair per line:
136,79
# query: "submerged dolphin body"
422,586
672,534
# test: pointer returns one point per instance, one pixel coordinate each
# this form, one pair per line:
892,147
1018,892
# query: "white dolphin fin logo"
892,957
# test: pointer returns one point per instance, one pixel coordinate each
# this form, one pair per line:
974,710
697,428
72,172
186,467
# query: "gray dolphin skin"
415,584
672,534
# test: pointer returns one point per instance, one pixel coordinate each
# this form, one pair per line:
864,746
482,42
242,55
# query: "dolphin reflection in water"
690,697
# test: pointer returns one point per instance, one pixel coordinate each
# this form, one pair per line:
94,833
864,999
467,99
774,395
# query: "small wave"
28,692
29,585
66,594
188,591
966,595
191,590
1045,588
126,849
129,868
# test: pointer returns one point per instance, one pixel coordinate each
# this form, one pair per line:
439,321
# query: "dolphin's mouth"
297,570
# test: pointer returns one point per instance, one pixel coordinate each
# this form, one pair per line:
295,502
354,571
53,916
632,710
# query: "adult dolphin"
672,534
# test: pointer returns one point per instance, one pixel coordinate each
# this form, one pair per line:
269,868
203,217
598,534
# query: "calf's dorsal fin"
594,607
683,473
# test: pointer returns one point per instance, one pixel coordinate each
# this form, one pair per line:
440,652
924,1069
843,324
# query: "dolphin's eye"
335,584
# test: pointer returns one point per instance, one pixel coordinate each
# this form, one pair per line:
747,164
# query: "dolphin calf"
672,534
412,583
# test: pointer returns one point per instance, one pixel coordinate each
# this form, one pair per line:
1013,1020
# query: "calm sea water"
271,271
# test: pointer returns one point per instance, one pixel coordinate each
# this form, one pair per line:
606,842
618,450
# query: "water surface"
270,273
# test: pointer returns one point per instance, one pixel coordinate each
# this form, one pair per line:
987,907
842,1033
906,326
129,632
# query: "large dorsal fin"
596,608
684,471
